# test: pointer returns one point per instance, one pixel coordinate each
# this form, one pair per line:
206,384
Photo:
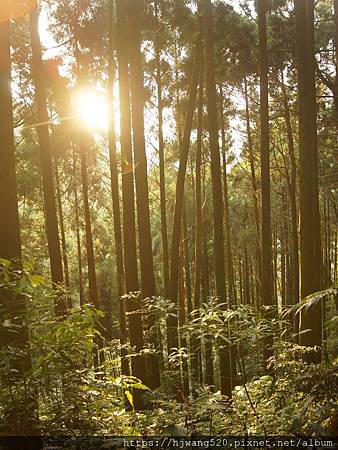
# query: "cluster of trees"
214,179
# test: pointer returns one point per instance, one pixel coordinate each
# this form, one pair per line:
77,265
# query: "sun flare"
91,108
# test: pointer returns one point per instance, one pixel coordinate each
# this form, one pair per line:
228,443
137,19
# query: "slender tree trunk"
129,233
141,180
275,278
175,241
240,277
289,273
187,260
62,229
293,198
198,199
114,180
46,163
93,293
196,362
184,391
246,278
230,265
327,241
77,230
335,258
335,6
216,181
284,247
310,245
188,291
209,362
205,266
266,245
164,230
292,187
92,280
255,195
229,258
84,140
20,415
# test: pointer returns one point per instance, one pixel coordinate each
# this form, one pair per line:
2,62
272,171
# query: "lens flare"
91,108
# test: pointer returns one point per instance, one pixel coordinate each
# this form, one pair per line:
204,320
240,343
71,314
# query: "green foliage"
295,399
75,397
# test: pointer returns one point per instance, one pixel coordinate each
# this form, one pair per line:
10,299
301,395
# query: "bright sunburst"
92,109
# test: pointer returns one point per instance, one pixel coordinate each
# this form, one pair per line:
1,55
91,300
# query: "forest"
168,220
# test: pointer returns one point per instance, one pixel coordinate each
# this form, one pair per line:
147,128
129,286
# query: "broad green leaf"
140,386
129,396
5,262
36,280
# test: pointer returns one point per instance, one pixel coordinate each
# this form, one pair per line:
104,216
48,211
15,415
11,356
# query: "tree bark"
141,181
114,180
129,233
293,199
310,243
230,264
216,181
77,230
196,361
335,12
20,416
175,240
187,260
266,244
93,293
255,197
62,230
164,229
52,231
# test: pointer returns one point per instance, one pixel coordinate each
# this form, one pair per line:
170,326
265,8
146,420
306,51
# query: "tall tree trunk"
84,140
230,264
188,292
196,362
240,278
267,294
19,417
182,392
335,10
77,230
293,198
141,179
114,180
229,258
62,229
175,240
52,231
92,280
275,278
284,248
129,232
335,258
206,268
310,245
93,293
198,199
327,280
164,230
247,290
187,260
216,181
255,195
